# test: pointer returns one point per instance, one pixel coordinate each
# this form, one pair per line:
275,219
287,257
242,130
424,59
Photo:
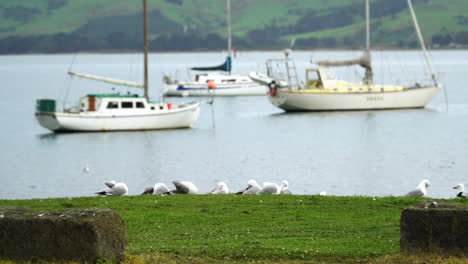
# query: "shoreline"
225,51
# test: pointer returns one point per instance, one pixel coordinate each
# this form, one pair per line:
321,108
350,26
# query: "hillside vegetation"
66,25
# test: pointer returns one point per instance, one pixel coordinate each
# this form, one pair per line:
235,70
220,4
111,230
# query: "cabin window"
127,104
313,79
112,105
329,75
140,105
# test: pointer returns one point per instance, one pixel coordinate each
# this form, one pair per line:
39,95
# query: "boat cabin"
117,102
318,78
221,79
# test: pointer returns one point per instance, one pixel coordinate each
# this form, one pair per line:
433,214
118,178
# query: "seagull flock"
186,187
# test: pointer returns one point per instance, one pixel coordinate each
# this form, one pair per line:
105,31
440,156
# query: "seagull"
252,188
183,187
86,169
220,189
269,188
461,188
117,189
420,189
284,188
159,188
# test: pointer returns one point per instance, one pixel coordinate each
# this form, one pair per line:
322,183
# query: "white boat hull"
220,90
289,100
183,117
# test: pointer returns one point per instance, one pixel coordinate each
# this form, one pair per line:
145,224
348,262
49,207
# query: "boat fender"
273,88
211,84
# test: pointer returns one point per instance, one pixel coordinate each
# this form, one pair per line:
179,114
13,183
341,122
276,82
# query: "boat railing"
69,107
283,70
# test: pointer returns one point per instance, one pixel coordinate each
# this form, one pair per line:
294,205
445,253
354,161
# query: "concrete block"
435,227
83,235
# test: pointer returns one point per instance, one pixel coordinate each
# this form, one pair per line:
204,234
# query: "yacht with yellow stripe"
323,91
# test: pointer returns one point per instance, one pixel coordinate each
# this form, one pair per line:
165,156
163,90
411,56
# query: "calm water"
375,153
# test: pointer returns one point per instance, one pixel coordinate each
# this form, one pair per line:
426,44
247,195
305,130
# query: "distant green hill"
69,25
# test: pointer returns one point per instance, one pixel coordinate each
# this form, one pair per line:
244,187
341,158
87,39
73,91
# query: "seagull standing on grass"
115,189
158,189
420,189
183,187
220,189
284,188
269,188
461,188
252,188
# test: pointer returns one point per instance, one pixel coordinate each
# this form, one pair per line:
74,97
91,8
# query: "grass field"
244,229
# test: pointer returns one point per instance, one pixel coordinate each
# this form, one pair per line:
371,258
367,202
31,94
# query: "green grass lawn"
251,228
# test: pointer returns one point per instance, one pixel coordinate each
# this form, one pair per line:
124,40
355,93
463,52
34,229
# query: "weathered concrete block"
83,235
436,227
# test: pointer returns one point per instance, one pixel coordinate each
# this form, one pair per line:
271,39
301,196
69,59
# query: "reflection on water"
344,153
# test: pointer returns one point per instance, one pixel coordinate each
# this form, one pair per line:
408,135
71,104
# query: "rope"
78,44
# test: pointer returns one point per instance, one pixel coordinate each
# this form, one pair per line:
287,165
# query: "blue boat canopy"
226,66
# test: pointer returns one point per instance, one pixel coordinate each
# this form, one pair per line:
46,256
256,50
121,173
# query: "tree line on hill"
265,39
123,33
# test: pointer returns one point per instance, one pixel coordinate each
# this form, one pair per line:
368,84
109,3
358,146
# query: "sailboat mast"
369,76
367,26
228,9
421,41
145,40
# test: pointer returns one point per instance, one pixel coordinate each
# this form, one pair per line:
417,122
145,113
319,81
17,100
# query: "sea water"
371,153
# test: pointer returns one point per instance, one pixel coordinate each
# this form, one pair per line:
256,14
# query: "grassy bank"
238,229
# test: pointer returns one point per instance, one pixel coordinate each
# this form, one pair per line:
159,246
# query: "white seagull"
420,189
252,188
184,187
284,188
86,169
461,188
117,189
221,188
158,189
269,188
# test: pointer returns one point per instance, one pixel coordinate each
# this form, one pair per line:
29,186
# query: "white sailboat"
225,83
323,91
116,112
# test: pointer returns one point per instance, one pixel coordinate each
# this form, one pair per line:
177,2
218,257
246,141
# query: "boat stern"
48,120
45,114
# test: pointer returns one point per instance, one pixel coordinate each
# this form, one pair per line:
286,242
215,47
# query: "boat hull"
220,90
183,117
289,100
